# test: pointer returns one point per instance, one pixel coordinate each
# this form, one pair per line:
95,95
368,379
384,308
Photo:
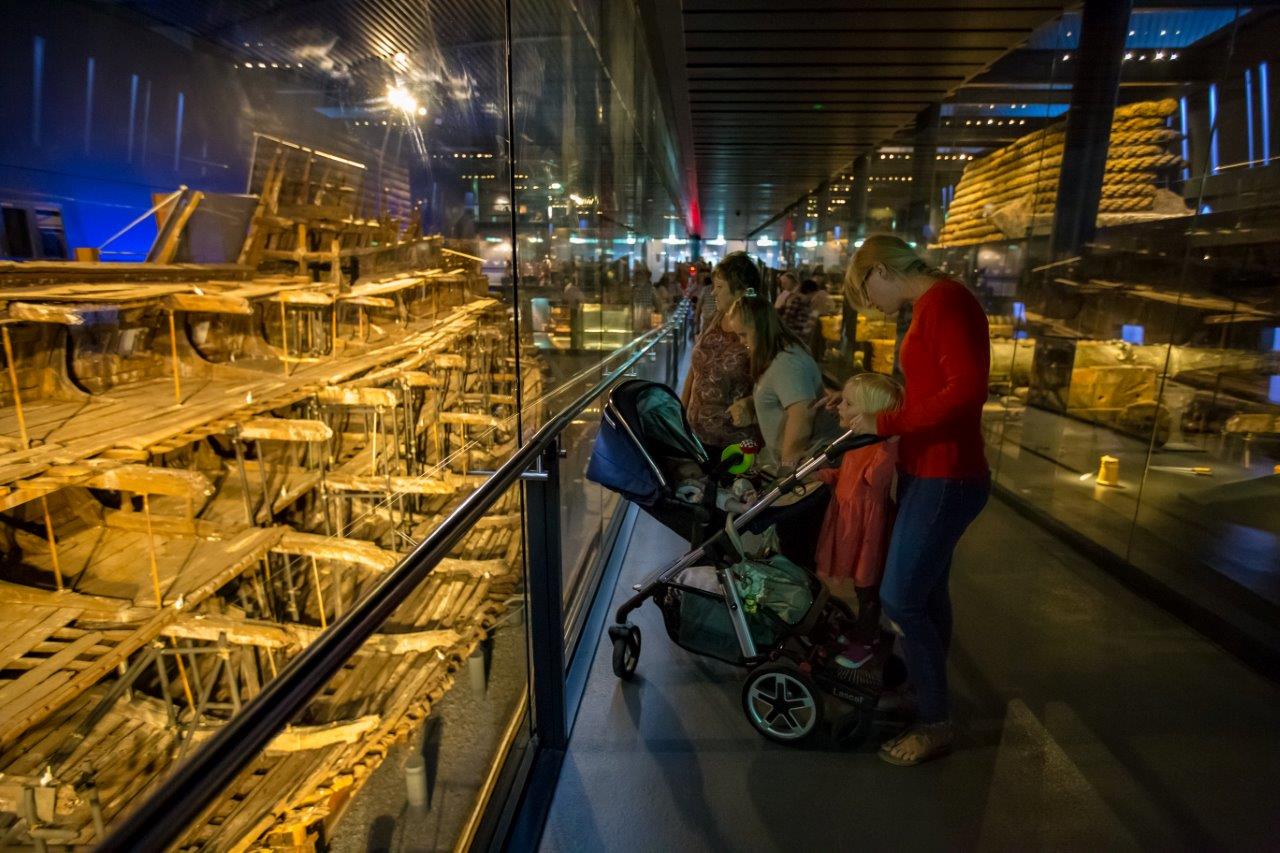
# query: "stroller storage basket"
780,597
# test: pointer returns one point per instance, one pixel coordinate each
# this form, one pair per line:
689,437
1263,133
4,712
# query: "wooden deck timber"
342,461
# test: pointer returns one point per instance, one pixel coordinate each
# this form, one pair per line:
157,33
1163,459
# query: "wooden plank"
99,607
61,315
24,633
243,632
34,684
143,479
354,551
306,298
282,429
348,395
208,303
301,738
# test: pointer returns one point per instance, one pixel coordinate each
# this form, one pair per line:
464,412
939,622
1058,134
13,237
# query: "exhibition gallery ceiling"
784,96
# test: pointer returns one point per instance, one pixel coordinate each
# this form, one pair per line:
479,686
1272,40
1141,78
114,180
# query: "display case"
1133,378
263,278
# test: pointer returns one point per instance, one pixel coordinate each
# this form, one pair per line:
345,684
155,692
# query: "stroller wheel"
626,649
781,702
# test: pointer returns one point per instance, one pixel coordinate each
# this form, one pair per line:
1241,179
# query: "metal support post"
924,167
1104,27
544,585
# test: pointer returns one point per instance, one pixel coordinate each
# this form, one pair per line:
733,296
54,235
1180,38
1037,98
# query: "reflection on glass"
1154,343
260,339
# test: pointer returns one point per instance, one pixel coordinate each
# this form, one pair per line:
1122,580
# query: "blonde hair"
893,252
873,393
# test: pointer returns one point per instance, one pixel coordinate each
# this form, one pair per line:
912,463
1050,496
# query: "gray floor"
1089,720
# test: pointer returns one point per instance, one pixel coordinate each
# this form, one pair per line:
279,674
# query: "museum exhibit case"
1134,391
277,293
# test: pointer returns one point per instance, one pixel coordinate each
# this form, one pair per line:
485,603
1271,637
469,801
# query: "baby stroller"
764,613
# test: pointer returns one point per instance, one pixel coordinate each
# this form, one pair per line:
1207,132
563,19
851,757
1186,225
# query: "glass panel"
1131,390
595,220
290,352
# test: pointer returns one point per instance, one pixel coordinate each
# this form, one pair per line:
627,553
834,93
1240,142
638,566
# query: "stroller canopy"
644,428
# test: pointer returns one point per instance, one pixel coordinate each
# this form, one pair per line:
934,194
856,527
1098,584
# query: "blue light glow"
1132,333
1273,392
1248,110
1186,142
1020,311
1264,96
37,87
1148,28
133,112
1213,127
88,102
1020,335
1271,339
177,131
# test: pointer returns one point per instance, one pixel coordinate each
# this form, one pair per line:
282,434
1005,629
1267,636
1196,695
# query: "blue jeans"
932,515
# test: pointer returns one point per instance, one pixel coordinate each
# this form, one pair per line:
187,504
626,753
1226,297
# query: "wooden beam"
354,551
283,429
346,395
147,479
62,315
301,738
172,231
240,632
208,303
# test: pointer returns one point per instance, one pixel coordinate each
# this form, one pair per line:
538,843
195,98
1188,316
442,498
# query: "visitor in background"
942,468
662,297
820,304
788,285
797,312
719,369
572,301
707,305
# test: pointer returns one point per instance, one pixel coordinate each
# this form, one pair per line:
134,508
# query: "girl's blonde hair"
893,252
873,393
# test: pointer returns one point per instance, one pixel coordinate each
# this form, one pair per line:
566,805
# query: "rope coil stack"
1013,191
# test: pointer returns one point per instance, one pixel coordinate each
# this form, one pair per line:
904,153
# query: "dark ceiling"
783,97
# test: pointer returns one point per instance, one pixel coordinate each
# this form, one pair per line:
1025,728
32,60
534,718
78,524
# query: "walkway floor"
1089,719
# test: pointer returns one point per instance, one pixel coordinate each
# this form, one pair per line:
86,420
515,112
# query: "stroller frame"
783,694
645,589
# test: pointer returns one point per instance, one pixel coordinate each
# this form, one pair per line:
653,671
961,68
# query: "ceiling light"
399,97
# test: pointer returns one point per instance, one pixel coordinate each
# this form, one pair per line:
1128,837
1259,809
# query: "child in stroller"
726,598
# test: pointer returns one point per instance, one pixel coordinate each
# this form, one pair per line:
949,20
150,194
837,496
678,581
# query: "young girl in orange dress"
854,539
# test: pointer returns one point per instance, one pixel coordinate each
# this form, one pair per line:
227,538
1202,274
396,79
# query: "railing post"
544,587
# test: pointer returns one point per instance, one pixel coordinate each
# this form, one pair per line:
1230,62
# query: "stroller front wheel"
626,649
781,702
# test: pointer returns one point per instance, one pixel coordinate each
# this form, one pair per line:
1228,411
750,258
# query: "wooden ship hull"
201,467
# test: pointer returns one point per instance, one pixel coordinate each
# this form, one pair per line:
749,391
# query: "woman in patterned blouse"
720,370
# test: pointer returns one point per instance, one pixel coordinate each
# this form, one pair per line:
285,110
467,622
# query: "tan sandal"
918,744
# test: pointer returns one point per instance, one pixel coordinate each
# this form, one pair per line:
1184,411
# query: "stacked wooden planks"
1012,191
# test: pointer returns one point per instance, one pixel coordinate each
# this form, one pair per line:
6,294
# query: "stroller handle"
849,441
843,444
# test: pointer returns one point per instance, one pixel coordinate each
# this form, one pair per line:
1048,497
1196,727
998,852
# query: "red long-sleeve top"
946,362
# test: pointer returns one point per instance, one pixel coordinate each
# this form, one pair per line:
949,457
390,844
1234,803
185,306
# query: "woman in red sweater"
943,476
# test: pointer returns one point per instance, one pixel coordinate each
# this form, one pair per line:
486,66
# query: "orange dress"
854,539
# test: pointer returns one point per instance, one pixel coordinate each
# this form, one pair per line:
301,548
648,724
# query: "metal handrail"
196,783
